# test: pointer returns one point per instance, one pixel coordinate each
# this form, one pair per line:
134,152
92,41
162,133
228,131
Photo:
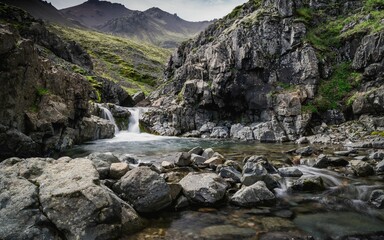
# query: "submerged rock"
203,188
254,195
145,189
227,232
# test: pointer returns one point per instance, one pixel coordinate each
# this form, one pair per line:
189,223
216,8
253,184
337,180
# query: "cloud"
192,10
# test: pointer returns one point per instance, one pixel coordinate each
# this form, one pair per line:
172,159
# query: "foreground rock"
145,189
203,188
67,198
254,195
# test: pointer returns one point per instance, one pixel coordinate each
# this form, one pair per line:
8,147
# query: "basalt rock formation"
274,71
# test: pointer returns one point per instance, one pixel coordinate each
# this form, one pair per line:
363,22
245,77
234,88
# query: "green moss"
376,133
235,12
42,91
309,108
304,14
374,5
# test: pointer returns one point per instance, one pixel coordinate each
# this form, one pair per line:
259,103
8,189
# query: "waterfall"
134,120
106,114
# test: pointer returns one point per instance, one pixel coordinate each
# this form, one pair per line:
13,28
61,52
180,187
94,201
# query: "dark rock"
255,195
196,150
230,172
378,155
324,161
377,198
197,159
182,159
204,188
138,97
380,167
308,184
363,169
181,202
145,189
305,151
290,172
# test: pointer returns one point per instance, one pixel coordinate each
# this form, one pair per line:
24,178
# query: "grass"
134,65
304,14
41,91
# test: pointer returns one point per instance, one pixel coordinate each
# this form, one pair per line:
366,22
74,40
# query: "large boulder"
254,195
145,189
73,199
203,188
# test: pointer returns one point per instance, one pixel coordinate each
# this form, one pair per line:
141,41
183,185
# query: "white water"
106,114
134,120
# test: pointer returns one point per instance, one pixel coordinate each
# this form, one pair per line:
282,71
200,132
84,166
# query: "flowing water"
106,114
342,210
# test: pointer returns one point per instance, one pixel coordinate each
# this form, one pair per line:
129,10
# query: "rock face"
204,188
60,199
145,189
256,74
43,108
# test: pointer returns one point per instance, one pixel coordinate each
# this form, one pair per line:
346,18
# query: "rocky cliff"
43,107
274,70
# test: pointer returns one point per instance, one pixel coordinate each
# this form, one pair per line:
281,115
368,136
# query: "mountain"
94,13
154,25
41,10
277,70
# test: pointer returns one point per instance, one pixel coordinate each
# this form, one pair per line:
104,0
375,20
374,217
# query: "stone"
308,184
208,153
290,172
377,198
203,188
254,195
378,155
66,187
344,153
138,97
302,140
380,167
305,151
324,161
181,202
167,165
182,159
230,172
213,162
117,170
175,190
219,132
362,169
197,159
145,189
196,150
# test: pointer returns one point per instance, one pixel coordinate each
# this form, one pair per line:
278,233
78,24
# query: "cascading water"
134,120
106,114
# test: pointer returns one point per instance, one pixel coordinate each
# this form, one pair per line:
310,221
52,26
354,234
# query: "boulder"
138,97
117,170
308,184
203,188
305,151
145,189
362,169
208,153
380,167
167,165
74,201
290,172
196,150
94,128
197,159
378,155
254,195
377,198
219,132
230,172
324,161
182,159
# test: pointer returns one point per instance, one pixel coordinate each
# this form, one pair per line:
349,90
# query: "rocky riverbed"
196,194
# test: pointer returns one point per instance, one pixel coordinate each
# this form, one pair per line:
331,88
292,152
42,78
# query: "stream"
340,212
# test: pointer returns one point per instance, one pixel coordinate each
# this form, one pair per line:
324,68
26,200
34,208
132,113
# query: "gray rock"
254,195
380,167
208,153
219,132
344,153
117,170
308,184
230,172
305,151
66,187
302,140
197,159
175,190
242,133
378,155
138,97
377,198
181,202
363,169
167,165
182,159
203,188
145,189
290,172
324,161
196,150
102,162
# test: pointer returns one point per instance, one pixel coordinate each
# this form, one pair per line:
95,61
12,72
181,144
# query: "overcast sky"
191,10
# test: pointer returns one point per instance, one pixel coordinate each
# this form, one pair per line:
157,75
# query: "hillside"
41,10
275,71
154,25
133,65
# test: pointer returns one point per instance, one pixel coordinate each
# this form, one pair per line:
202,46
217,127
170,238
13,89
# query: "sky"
191,10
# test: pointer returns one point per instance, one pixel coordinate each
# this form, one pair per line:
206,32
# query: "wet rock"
208,153
308,184
290,172
380,167
362,169
117,170
94,128
182,159
254,195
203,188
227,232
324,161
66,187
196,150
197,159
305,151
230,172
276,224
377,198
181,202
145,189
378,155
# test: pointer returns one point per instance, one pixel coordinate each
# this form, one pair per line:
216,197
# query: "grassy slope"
135,66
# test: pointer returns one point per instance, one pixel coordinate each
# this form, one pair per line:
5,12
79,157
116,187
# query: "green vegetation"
338,87
304,14
236,12
381,134
42,91
135,66
374,5
309,108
